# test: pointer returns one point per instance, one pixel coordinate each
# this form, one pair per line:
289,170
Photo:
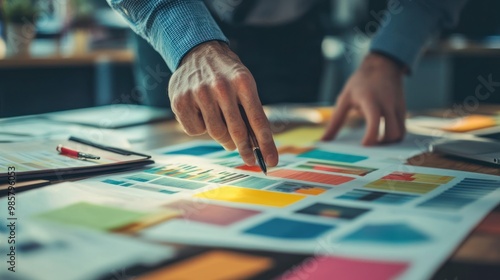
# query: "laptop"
486,148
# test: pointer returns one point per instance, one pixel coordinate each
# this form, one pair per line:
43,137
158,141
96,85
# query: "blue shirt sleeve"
411,24
172,27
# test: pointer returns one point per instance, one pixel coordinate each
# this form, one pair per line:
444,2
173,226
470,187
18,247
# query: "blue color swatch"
142,177
117,182
324,155
289,229
377,197
463,193
176,183
333,211
394,233
254,183
197,151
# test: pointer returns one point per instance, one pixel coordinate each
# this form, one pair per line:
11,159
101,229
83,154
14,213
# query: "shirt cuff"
177,33
405,34
172,27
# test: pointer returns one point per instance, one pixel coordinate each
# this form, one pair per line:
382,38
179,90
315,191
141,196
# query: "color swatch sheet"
318,200
350,212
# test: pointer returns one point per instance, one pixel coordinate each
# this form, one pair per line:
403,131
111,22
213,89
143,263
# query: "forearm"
412,24
172,27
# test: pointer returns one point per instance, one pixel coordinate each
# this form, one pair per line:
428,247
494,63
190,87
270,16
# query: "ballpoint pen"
74,153
253,141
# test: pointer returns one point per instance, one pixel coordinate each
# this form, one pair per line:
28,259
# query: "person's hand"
205,92
376,91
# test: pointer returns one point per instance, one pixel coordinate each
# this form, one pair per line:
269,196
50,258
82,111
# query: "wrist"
375,60
206,49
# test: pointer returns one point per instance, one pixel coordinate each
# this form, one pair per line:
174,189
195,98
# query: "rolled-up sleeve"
172,27
415,22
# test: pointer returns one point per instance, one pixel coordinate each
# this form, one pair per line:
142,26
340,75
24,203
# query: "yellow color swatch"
214,265
402,186
311,191
294,150
472,122
302,136
435,179
251,196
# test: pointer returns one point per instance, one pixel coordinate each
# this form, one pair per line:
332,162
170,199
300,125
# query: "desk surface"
481,249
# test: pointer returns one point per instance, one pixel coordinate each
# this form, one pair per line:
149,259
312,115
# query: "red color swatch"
253,168
210,213
339,268
308,176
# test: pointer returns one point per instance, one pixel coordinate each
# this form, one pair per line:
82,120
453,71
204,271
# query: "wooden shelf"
114,56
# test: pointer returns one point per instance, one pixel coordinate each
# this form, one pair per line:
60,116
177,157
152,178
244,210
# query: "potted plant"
82,14
21,29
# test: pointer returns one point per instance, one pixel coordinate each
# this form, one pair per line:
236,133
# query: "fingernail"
271,159
251,162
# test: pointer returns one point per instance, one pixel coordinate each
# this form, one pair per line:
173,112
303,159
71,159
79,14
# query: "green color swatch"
93,216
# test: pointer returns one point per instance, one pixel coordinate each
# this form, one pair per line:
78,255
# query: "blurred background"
68,54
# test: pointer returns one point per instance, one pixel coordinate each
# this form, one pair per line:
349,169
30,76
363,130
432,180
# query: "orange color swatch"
213,265
293,150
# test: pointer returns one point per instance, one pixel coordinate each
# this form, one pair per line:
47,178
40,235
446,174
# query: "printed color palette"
410,182
196,173
142,177
377,197
417,177
325,155
289,187
117,182
335,168
402,186
254,183
288,229
181,184
463,193
251,196
308,176
153,188
333,211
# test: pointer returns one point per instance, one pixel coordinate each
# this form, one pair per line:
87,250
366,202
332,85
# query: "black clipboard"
40,160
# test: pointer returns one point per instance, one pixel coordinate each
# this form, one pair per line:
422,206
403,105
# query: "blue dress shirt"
174,27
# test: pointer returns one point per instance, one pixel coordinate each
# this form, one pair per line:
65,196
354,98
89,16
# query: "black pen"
253,141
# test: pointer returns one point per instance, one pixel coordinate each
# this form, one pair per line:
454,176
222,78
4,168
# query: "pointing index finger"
259,125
